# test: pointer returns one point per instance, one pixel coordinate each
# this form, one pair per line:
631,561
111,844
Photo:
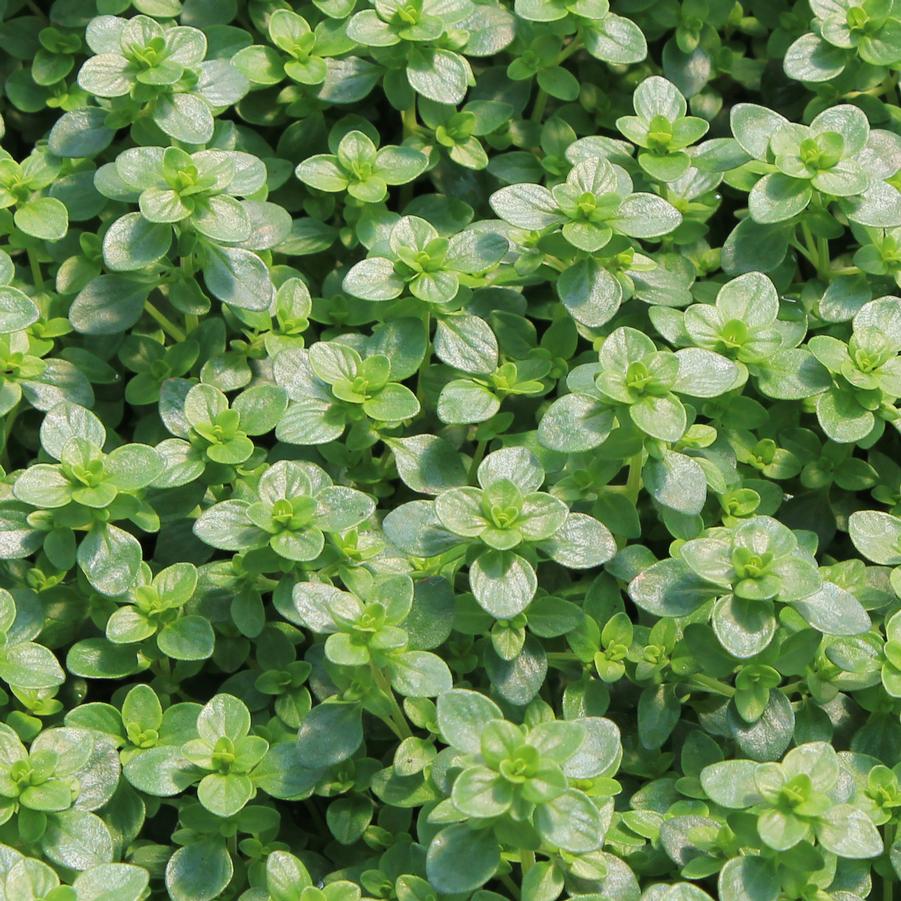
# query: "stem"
817,254
408,120
477,457
573,47
510,885
164,322
420,387
708,683
887,881
823,254
35,267
11,417
398,720
793,686
804,253
526,861
540,103
633,480
410,128
191,322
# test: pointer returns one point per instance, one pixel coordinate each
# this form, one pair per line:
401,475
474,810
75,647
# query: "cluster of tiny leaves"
450,449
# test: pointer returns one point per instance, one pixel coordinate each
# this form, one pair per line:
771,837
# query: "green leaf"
80,133
428,464
97,658
580,543
811,59
132,242
462,714
30,666
590,293
108,305
645,216
77,839
526,206
184,117
480,792
660,417
112,882
392,404
748,879
162,772
792,375
419,674
439,75
110,557
570,822
199,871
463,401
238,277
460,859
849,833
330,733
676,481
188,638
744,628
373,279
466,343
223,716
777,197
731,783
45,218
834,611
616,40
17,310
224,795
503,582
670,588
877,535
659,711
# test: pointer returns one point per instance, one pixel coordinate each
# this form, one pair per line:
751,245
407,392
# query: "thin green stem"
420,384
410,127
398,719
477,456
818,251
573,47
35,267
11,417
822,245
540,105
526,861
633,480
715,686
804,252
409,121
510,885
164,322
800,685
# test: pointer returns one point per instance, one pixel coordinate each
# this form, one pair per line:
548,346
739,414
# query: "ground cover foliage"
450,450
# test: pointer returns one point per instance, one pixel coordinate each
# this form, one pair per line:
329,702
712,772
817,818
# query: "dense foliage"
450,450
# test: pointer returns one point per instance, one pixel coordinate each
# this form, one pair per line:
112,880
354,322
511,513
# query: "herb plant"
450,449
